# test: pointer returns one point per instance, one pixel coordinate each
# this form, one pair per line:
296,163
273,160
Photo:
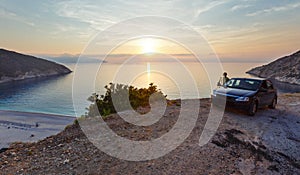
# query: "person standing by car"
249,94
223,80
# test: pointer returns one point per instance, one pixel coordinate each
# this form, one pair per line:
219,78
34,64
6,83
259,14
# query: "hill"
17,66
285,69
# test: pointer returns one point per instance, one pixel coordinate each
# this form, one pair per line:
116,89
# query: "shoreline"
16,126
35,113
273,79
32,77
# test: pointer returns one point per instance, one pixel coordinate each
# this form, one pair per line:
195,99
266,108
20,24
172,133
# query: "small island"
285,69
16,66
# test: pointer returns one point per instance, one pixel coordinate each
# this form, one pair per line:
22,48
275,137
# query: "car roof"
252,78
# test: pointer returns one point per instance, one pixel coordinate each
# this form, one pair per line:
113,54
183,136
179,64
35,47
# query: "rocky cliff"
16,66
285,69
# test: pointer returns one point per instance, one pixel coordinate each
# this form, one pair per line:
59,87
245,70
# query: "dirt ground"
267,143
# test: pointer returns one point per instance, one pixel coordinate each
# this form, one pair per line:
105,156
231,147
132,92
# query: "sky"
245,30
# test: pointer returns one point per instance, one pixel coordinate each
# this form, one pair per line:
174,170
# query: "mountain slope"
17,66
285,69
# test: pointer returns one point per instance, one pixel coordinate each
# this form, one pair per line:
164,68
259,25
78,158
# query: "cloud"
222,35
100,15
239,7
6,14
209,6
275,9
96,16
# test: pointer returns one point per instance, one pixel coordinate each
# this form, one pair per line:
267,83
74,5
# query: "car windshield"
247,84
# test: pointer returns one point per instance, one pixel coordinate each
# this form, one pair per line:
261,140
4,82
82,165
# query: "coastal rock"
285,69
17,66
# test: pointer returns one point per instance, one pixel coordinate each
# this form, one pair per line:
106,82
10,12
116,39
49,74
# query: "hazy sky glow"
236,29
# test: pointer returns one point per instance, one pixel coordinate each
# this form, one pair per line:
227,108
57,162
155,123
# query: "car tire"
252,108
273,104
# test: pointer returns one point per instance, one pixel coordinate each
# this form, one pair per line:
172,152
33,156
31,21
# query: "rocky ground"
267,143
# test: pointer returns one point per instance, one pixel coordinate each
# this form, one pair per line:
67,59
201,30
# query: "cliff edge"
268,143
285,69
17,66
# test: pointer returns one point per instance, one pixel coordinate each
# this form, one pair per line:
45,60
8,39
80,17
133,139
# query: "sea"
57,95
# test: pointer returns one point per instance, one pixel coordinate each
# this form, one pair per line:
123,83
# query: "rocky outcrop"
17,66
285,69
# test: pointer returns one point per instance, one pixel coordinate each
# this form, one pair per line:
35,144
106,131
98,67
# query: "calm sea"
54,94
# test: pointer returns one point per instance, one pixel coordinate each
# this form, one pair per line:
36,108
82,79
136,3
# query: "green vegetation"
116,96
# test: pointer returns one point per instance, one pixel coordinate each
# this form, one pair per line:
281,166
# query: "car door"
262,94
271,92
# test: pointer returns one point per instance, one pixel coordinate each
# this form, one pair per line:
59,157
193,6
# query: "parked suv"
246,93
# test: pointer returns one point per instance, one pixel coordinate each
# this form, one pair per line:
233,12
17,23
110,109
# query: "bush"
116,96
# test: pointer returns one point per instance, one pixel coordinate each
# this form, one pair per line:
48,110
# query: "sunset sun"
147,45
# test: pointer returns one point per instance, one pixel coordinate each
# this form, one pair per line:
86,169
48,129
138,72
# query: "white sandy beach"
29,127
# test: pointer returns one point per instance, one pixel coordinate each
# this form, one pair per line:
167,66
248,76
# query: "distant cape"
16,66
285,69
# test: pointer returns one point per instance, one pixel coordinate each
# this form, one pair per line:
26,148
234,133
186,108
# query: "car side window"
264,85
269,85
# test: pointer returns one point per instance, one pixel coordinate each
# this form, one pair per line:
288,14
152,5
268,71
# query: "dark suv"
246,93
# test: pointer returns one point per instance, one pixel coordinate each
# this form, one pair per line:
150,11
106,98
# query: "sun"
147,45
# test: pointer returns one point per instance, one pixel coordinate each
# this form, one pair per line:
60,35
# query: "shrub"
116,96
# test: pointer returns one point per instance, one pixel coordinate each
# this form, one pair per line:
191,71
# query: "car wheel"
273,104
252,109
